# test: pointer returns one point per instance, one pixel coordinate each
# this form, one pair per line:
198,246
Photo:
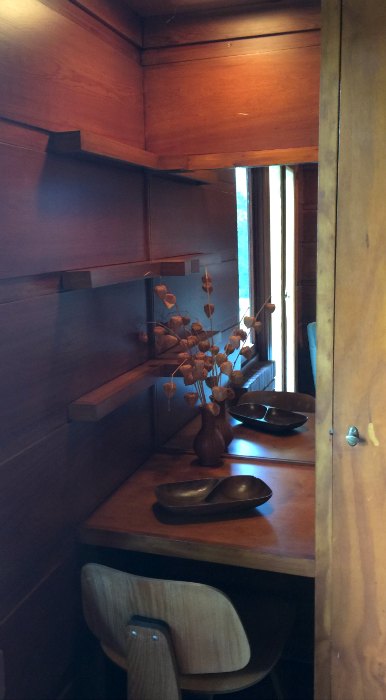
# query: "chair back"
287,400
206,632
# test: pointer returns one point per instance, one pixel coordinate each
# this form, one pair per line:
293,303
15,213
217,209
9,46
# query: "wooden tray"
267,418
208,496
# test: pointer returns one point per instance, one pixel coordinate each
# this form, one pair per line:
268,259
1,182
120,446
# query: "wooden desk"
297,446
278,536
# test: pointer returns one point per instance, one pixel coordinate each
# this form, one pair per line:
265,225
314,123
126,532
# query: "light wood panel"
59,214
273,156
185,28
279,536
328,164
146,8
215,105
94,81
358,564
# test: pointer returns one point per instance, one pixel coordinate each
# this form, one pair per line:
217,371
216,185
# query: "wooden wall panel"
185,28
115,15
256,101
60,213
189,219
59,347
38,638
48,489
60,70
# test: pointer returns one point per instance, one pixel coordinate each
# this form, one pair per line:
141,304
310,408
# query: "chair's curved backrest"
206,631
288,400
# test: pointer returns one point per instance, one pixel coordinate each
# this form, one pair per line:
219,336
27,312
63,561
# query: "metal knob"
352,436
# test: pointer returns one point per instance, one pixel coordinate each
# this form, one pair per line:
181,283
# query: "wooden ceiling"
148,8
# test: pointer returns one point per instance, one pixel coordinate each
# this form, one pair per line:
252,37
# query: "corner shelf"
179,266
86,144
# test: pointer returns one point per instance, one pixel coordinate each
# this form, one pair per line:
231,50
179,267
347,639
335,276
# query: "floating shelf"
88,145
179,266
98,403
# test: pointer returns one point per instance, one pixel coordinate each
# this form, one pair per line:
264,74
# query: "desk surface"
278,536
296,446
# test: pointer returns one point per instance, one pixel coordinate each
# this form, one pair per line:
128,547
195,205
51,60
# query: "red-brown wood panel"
116,15
49,488
58,213
191,219
255,101
186,28
57,348
61,69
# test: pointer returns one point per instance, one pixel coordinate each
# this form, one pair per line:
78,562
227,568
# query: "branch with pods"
202,362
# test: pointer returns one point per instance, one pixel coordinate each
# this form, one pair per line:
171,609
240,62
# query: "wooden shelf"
88,145
97,404
179,266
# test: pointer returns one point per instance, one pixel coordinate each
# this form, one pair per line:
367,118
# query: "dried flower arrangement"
202,362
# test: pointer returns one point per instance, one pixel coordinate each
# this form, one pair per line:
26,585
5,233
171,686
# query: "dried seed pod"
159,330
183,356
246,352
185,320
169,300
166,342
270,307
230,394
234,340
209,309
191,398
219,393
226,368
199,355
188,379
214,349
257,326
199,374
206,279
191,341
220,358
196,327
175,322
204,345
185,369
170,389
237,377
160,290
229,349
208,288
208,366
241,333
211,382
214,408
249,321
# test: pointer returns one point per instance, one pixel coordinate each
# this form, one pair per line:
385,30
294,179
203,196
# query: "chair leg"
276,685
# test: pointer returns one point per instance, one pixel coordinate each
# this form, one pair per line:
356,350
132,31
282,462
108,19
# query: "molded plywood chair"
288,400
174,635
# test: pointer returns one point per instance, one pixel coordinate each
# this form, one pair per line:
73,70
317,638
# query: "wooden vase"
223,424
209,443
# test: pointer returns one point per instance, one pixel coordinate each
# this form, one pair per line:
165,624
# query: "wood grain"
248,158
93,82
186,28
214,105
115,15
57,348
358,563
278,537
59,214
47,489
328,164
